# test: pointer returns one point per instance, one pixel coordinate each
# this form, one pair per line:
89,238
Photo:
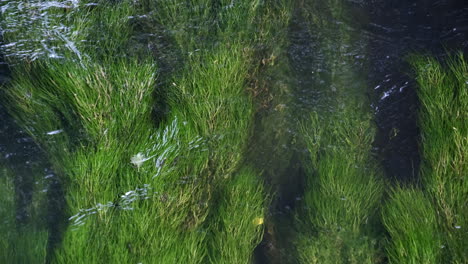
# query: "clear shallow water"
370,50
368,45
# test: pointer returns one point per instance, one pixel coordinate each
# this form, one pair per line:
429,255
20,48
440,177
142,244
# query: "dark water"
398,28
373,40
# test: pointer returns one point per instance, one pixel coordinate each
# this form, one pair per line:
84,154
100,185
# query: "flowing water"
368,46
354,43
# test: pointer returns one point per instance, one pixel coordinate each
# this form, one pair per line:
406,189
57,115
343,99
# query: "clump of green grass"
343,190
137,191
95,124
239,219
443,121
411,221
98,168
209,66
344,173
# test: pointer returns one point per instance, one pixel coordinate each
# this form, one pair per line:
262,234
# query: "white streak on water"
124,203
55,132
50,4
71,46
52,53
385,95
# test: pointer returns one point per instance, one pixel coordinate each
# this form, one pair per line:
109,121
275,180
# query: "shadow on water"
160,40
168,61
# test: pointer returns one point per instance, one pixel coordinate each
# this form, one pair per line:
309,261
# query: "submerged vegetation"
429,225
136,190
146,110
443,92
343,190
339,220
26,241
410,220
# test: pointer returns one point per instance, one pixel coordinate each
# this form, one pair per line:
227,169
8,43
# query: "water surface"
329,46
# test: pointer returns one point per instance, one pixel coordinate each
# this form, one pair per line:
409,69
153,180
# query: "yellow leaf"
258,221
